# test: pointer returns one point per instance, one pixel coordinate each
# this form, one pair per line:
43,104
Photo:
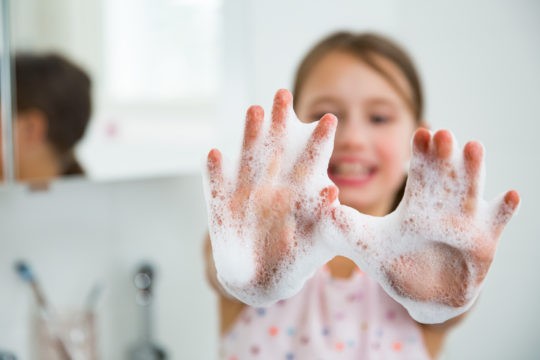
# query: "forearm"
229,307
444,327
434,335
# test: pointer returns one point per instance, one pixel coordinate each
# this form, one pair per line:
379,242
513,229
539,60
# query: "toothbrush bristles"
23,270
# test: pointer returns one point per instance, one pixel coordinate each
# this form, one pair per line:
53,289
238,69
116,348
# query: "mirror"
153,85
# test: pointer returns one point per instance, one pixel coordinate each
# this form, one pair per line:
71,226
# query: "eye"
379,119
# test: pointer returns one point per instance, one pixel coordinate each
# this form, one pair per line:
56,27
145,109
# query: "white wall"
78,233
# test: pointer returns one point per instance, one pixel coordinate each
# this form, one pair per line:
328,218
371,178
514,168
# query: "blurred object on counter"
145,348
57,343
7,356
66,334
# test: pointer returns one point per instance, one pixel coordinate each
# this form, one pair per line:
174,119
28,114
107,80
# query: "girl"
370,84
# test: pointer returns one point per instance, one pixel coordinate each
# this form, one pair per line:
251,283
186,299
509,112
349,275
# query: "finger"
252,131
328,195
473,154
246,171
421,140
443,143
215,173
356,230
505,209
216,187
280,110
320,140
340,219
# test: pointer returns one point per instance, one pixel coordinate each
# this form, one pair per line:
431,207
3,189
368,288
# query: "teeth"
352,169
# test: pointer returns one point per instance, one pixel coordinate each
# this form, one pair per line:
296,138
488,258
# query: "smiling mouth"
351,173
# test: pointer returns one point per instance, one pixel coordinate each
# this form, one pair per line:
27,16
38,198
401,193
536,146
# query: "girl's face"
372,144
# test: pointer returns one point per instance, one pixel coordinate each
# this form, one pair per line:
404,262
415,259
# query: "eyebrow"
378,100
323,99
381,101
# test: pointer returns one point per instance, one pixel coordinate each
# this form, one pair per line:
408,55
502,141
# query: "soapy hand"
455,232
277,219
263,221
433,252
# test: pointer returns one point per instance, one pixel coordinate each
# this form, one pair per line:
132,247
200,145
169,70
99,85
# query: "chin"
363,205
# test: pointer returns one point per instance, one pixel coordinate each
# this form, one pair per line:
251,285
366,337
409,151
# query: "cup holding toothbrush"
62,335
75,327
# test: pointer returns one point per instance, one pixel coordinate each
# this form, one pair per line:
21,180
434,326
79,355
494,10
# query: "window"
161,51
158,88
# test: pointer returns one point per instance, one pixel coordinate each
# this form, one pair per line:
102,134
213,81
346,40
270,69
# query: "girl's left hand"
437,246
442,207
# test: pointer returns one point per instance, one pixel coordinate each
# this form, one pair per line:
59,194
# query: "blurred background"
172,78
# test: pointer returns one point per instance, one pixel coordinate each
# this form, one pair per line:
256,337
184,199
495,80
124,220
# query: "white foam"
421,254
239,249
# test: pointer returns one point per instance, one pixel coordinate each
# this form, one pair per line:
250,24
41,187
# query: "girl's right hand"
264,221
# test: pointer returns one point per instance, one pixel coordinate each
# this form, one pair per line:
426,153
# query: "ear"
31,128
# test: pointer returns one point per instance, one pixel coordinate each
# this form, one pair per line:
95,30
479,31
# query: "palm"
441,240
271,208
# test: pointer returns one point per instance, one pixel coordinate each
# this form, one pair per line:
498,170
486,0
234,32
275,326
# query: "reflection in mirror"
52,103
154,70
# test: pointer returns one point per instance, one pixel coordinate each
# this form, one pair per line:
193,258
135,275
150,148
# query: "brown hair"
61,90
368,47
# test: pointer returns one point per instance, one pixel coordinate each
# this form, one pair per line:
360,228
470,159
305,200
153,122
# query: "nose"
351,133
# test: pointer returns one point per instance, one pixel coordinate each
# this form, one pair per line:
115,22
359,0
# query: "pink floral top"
330,318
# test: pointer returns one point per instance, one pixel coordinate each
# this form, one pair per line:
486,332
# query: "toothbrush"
26,274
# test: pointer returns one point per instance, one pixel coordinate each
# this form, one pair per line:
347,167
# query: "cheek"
394,155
